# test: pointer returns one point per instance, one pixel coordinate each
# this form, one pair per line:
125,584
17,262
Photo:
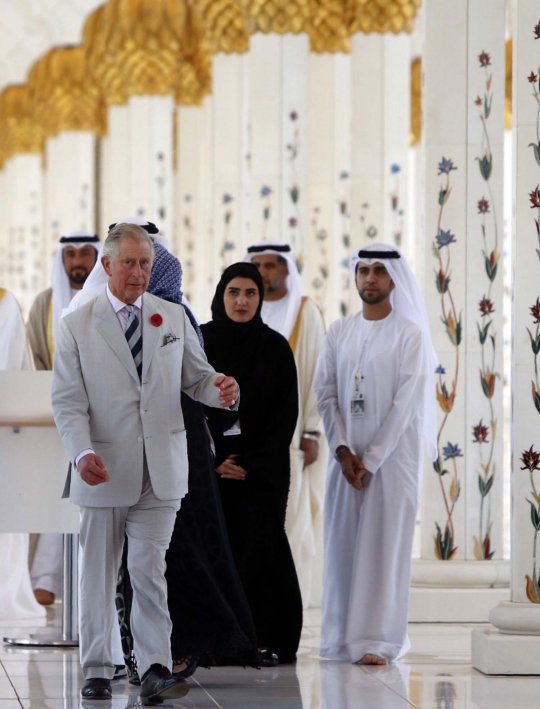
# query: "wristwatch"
311,435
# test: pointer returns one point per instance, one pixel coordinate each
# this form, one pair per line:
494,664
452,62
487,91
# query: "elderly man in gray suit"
120,365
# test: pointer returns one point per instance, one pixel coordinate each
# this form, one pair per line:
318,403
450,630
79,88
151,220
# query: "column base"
454,605
433,573
497,653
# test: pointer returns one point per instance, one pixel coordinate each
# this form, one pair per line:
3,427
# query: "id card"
234,430
357,405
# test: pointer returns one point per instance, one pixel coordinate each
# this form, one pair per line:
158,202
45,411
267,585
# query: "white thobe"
369,534
304,520
17,601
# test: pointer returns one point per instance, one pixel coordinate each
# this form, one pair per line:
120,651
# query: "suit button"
143,412
139,439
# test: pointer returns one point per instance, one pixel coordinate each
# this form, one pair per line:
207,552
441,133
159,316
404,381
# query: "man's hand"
92,470
310,449
229,391
229,470
352,468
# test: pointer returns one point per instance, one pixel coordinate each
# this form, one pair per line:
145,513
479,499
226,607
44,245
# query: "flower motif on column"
227,246
293,150
370,231
531,462
397,212
320,281
482,435
161,183
187,264
267,207
446,395
534,79
345,214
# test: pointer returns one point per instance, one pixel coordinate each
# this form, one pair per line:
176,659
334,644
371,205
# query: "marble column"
22,251
328,240
69,187
136,162
513,645
462,520
381,78
193,200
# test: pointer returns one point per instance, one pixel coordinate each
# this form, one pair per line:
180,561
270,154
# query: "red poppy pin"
156,320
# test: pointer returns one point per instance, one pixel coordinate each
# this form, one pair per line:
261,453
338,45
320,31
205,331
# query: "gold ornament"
227,25
20,132
63,95
149,47
382,16
416,101
101,62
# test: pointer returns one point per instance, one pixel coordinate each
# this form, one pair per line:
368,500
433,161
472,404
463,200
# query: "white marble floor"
436,674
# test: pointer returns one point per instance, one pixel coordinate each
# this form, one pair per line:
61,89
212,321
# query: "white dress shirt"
122,314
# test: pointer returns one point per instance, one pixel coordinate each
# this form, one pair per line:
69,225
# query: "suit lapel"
150,333
109,326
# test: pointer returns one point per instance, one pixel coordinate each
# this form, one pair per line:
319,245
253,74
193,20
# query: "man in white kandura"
376,394
121,362
74,259
300,321
17,600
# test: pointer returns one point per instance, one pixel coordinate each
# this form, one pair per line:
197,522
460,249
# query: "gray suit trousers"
149,525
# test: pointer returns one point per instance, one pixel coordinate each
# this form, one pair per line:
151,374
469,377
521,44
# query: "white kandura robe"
17,601
369,534
304,520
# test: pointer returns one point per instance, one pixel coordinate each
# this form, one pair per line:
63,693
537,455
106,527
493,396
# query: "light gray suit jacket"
100,403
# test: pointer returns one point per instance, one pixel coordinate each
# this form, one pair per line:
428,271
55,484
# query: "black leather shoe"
267,658
158,684
97,688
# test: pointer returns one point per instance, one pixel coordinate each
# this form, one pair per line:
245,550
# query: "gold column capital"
63,95
20,133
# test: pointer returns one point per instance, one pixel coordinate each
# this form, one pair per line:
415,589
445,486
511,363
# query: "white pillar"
462,520
381,80
513,646
69,186
328,241
194,197
22,233
136,176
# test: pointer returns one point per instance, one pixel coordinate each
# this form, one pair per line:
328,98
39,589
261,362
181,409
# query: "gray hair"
125,231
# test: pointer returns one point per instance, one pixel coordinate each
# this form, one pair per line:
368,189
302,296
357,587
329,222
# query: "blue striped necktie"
134,338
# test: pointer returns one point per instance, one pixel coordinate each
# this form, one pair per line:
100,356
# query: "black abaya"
262,362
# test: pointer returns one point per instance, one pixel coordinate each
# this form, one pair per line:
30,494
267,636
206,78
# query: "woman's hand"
229,470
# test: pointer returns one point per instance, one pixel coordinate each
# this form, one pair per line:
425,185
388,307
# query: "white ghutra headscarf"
407,301
293,282
61,288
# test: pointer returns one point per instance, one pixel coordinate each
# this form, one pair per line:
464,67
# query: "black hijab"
231,346
262,362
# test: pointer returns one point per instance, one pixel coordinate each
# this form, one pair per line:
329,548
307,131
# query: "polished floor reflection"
435,675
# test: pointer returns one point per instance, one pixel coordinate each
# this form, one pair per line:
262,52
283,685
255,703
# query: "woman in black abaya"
252,456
